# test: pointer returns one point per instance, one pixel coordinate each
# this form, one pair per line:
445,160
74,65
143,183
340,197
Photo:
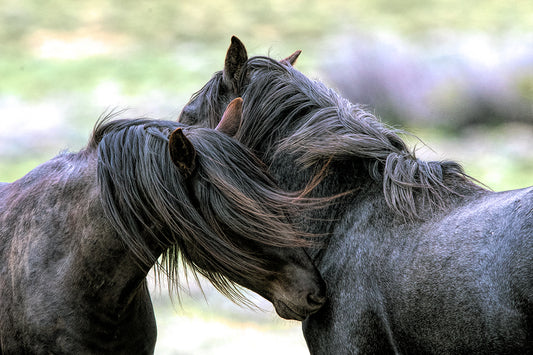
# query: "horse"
418,257
80,233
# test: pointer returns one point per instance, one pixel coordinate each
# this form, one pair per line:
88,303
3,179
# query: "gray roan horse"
419,258
80,233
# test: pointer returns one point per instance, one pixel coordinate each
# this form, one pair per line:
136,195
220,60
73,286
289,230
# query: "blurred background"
457,74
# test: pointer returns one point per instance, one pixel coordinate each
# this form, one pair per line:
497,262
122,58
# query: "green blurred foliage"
149,28
165,23
148,38
33,78
175,46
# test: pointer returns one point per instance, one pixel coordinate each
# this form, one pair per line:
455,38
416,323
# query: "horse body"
439,286
80,233
419,258
457,280
65,272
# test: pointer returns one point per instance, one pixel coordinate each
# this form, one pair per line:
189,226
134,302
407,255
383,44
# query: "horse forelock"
284,112
207,98
194,223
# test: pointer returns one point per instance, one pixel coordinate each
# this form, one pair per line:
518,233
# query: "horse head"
255,246
206,107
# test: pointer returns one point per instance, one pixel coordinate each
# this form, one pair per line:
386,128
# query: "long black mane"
327,128
152,207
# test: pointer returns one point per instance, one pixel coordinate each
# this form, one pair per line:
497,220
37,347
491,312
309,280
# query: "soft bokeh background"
458,74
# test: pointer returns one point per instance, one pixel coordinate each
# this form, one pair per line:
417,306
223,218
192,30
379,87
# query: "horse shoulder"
354,264
434,273
469,265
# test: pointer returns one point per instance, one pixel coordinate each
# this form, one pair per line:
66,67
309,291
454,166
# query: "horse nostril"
316,299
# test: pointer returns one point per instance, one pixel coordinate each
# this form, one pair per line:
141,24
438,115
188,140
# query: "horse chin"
286,312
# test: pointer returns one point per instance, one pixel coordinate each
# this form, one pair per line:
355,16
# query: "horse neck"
341,182
360,196
75,247
102,260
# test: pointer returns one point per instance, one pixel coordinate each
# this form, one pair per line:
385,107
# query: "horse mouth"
286,312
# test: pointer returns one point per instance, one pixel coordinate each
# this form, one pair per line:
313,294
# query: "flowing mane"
326,127
144,191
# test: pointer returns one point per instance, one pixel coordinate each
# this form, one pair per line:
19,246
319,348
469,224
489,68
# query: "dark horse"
419,259
80,233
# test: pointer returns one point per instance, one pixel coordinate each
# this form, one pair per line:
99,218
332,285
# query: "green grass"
488,154
33,78
12,170
157,44
505,174
166,22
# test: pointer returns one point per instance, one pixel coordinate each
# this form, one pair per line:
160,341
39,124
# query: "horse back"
3,189
471,276
516,253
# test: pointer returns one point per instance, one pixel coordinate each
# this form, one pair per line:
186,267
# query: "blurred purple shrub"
449,82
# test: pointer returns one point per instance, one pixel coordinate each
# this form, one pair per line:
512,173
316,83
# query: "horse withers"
79,233
420,259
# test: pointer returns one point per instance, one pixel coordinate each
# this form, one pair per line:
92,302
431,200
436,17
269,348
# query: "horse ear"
231,119
235,59
292,58
182,152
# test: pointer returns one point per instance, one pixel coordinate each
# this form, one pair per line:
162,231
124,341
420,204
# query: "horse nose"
316,299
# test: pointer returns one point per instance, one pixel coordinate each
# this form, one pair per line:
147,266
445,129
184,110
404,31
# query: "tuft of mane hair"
327,127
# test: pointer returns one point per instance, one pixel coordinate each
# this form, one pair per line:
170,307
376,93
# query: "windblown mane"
326,127
151,205
211,93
